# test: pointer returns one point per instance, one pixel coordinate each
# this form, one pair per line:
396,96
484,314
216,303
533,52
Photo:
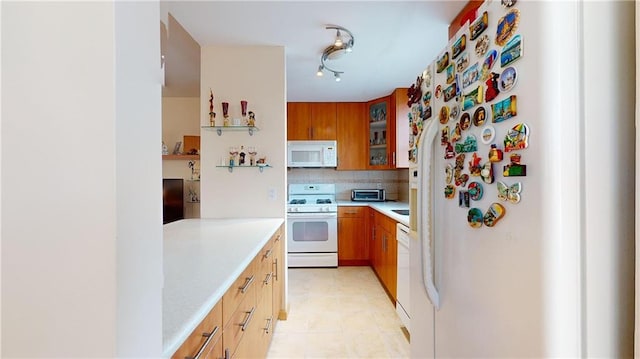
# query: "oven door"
312,232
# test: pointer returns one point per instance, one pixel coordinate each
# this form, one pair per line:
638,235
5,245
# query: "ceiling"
394,40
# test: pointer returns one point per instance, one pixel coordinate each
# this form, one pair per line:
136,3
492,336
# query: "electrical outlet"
379,185
272,194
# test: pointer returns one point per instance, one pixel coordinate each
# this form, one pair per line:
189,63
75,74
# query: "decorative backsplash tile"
396,183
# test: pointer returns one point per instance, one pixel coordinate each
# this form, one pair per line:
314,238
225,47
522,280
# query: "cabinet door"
298,121
352,135
401,111
278,274
381,134
391,264
323,120
353,245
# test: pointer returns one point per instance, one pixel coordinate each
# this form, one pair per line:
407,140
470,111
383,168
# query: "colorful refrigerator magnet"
487,172
461,180
459,46
476,191
459,163
438,91
450,92
475,217
465,121
509,193
479,116
444,114
449,152
495,154
426,78
463,199
449,191
475,167
512,51
426,99
494,214
444,136
508,3
507,26
470,144
462,62
442,62
482,45
504,109
448,173
427,113
515,168
479,26
470,76
488,63
450,71
487,134
508,79
455,111
517,138
492,87
473,98
456,133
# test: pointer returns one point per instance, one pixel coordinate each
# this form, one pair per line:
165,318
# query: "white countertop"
384,208
202,258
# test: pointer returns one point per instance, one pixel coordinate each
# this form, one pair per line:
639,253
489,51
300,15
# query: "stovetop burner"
298,201
323,201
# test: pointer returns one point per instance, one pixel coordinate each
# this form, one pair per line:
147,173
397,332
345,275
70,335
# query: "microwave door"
306,157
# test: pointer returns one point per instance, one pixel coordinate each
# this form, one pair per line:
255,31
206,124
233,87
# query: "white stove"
312,198
312,222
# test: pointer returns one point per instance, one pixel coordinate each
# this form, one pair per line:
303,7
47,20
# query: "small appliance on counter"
368,195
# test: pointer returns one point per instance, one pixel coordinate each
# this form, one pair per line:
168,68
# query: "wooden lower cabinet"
242,321
353,244
384,252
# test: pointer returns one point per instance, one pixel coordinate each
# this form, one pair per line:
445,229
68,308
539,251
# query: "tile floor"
338,313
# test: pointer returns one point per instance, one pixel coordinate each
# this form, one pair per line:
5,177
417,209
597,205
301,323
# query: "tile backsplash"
395,183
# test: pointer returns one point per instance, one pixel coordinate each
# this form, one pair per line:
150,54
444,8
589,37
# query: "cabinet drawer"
241,321
265,272
211,326
240,289
349,211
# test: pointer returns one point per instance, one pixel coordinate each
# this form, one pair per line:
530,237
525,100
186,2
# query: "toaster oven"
368,195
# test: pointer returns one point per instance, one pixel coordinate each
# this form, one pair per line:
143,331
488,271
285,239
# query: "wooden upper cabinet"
352,135
298,120
399,107
311,120
381,134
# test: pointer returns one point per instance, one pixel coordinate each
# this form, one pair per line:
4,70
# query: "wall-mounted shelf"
261,168
181,157
220,129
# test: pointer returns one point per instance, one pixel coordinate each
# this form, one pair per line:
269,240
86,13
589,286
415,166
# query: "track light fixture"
336,50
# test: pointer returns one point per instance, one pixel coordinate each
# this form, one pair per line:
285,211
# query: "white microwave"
312,154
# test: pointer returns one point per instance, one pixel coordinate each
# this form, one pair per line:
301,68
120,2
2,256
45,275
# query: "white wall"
81,264
138,185
255,74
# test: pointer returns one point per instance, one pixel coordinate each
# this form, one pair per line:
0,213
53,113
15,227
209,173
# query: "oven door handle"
317,215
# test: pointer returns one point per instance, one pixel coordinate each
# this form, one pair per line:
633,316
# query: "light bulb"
319,73
349,48
337,75
338,42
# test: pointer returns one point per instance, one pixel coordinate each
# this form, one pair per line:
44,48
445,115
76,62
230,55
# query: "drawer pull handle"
267,329
275,273
227,354
209,336
246,285
268,253
267,279
278,237
248,320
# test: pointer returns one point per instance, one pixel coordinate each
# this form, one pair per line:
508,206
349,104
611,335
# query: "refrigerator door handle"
425,204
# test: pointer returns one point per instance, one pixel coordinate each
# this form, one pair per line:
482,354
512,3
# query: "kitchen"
136,148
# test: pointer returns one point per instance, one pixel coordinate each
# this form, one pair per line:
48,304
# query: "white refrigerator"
544,265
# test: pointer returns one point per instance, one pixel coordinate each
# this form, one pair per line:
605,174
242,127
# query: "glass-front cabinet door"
379,134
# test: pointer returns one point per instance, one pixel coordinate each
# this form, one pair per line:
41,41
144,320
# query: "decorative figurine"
242,156
225,113
243,107
165,149
251,150
212,115
252,119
